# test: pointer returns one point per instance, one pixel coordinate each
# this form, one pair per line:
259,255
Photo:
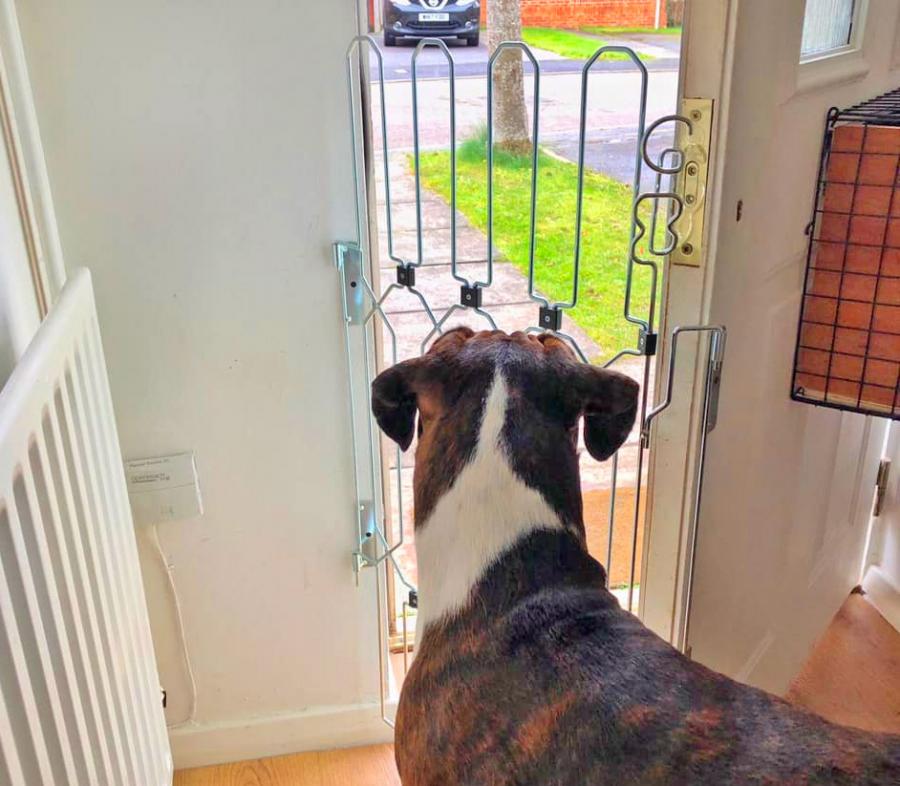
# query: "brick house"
577,13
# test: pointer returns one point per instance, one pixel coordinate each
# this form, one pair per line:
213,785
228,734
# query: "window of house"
828,26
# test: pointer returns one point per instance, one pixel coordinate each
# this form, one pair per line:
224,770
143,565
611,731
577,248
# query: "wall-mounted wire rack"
848,339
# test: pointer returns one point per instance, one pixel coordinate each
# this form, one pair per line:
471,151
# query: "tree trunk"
675,12
510,116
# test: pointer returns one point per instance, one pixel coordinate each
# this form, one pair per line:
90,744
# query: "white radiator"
80,700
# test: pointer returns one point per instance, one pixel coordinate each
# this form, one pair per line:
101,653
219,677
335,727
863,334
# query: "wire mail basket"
848,340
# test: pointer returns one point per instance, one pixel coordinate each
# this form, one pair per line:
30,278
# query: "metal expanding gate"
668,195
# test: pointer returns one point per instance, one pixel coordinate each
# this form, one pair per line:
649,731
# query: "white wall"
199,158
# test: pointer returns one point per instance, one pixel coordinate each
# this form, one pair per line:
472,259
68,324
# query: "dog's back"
545,681
527,671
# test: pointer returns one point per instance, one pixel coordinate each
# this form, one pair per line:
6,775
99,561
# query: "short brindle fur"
536,677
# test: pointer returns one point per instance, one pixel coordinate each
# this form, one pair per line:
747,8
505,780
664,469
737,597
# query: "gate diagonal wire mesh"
395,312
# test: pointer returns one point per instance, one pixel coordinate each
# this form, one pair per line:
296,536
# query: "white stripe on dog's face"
485,512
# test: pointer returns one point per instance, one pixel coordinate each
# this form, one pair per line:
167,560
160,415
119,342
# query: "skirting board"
883,595
320,728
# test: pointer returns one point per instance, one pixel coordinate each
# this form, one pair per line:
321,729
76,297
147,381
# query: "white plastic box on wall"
165,488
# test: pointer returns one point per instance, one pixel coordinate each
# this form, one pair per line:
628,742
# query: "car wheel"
390,40
472,40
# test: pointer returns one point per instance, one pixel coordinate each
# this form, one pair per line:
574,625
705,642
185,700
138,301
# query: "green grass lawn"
568,44
605,231
632,30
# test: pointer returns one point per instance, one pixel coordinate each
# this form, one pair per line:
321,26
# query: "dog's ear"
609,402
394,401
395,392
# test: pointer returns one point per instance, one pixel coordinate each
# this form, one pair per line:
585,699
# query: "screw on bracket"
470,296
550,318
406,275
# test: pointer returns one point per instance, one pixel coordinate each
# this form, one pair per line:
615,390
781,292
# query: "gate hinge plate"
691,182
365,555
348,258
881,481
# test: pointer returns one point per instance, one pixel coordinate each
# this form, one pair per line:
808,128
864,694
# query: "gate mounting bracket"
692,181
348,258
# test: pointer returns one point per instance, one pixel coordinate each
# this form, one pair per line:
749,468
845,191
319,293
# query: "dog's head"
547,392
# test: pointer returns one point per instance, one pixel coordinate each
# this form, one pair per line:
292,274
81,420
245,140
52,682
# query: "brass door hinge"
691,182
881,481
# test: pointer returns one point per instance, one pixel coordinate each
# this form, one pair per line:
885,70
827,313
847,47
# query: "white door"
881,574
788,487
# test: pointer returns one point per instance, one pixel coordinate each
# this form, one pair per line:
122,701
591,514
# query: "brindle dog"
527,672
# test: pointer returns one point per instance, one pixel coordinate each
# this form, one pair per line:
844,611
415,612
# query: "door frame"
25,154
673,482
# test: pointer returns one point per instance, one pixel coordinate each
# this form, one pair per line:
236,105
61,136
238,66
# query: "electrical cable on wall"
179,616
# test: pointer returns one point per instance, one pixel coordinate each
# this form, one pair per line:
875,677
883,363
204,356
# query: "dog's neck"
486,511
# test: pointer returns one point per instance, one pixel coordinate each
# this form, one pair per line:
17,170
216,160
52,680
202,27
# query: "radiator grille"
79,693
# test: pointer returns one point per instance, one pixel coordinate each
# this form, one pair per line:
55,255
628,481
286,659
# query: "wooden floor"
852,677
353,767
853,674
